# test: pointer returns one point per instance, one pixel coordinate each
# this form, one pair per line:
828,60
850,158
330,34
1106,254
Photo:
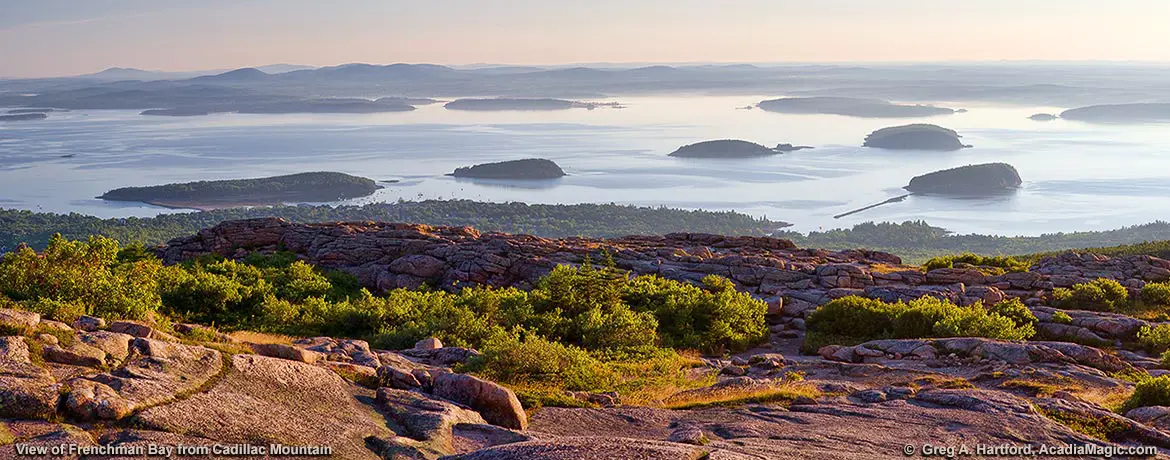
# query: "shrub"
1156,294
1150,392
854,316
1154,339
85,273
991,265
712,318
64,311
851,320
1101,294
1061,317
1016,311
976,321
532,359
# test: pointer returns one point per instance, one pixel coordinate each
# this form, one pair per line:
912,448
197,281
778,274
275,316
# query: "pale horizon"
42,39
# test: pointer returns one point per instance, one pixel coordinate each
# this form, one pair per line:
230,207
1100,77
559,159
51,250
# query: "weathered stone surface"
427,420
115,345
155,373
133,328
263,400
497,405
591,448
343,350
689,434
289,352
19,319
26,391
397,378
446,356
428,344
88,323
1010,352
76,354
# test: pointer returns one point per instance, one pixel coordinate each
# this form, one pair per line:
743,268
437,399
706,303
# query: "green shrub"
532,359
852,320
1061,317
1154,339
1101,294
64,311
85,273
1016,311
991,265
854,316
712,318
1156,294
1150,392
976,321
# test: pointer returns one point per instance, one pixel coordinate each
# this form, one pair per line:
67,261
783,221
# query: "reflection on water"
1076,176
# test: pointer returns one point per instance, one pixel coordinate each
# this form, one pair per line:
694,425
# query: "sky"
69,37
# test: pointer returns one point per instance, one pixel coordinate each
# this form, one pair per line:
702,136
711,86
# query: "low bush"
534,360
1154,339
1061,317
991,265
1101,294
852,320
1154,391
1156,294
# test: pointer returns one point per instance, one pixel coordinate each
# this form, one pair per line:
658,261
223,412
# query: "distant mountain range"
129,73
291,87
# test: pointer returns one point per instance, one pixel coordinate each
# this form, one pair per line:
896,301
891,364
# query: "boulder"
392,377
289,352
498,405
76,354
88,323
19,320
689,434
133,328
427,420
428,344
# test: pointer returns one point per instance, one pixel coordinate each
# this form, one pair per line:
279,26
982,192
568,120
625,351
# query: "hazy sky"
61,37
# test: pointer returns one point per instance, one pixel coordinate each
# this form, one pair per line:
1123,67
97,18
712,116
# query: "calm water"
1077,176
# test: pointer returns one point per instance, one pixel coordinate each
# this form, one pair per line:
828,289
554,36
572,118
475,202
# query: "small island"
1043,117
1120,113
851,107
785,148
970,180
915,137
727,148
20,111
24,117
526,169
499,104
314,187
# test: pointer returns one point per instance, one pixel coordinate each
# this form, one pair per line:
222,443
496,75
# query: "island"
187,112
314,187
1043,117
851,107
970,180
19,111
915,137
526,169
726,148
499,104
1120,113
332,105
784,148
24,117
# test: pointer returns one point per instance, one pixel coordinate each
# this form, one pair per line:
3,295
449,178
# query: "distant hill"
239,75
